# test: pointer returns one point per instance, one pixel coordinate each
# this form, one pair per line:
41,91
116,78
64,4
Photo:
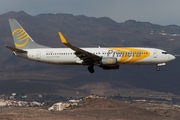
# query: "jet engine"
109,61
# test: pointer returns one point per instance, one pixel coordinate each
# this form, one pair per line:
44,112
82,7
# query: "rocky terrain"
96,110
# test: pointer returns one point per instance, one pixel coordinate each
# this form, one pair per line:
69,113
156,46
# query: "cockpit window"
164,52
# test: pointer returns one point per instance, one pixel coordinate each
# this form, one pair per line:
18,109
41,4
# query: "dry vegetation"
97,110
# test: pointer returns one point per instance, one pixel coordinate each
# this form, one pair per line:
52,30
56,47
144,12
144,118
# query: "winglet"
62,38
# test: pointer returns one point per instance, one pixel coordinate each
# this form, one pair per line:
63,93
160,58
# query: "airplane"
108,58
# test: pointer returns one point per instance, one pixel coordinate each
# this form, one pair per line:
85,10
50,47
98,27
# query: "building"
57,107
91,96
66,105
3,104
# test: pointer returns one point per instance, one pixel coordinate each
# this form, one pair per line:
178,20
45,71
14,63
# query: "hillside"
98,110
20,75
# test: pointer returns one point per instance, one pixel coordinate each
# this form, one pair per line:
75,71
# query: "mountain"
20,75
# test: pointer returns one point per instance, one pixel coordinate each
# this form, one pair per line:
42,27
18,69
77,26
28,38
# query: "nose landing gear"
158,69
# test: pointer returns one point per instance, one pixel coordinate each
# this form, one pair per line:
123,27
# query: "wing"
85,56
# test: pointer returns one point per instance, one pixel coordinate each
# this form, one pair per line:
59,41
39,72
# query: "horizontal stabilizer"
16,49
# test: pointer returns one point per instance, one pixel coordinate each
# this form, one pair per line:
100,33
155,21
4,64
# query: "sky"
162,12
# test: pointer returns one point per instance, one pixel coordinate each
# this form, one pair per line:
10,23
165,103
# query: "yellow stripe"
20,33
24,38
22,44
20,30
15,31
21,36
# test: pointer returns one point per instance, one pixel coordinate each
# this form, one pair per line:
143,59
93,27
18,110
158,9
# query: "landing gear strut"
158,69
91,69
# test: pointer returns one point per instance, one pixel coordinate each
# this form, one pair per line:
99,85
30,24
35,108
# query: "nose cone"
171,57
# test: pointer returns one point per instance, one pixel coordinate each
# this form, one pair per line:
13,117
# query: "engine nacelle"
109,61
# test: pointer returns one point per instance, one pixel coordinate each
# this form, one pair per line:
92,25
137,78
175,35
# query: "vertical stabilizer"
21,39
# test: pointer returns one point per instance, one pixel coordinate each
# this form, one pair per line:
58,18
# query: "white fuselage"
66,56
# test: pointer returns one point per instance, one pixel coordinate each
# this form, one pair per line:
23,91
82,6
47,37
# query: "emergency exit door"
155,53
38,54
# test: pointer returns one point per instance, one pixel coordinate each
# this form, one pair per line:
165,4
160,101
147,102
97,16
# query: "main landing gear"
91,68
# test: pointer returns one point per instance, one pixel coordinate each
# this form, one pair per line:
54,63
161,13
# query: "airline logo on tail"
21,37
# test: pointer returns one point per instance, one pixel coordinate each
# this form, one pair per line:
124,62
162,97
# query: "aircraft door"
155,53
38,54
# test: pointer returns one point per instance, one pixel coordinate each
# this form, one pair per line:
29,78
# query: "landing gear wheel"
158,69
91,69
